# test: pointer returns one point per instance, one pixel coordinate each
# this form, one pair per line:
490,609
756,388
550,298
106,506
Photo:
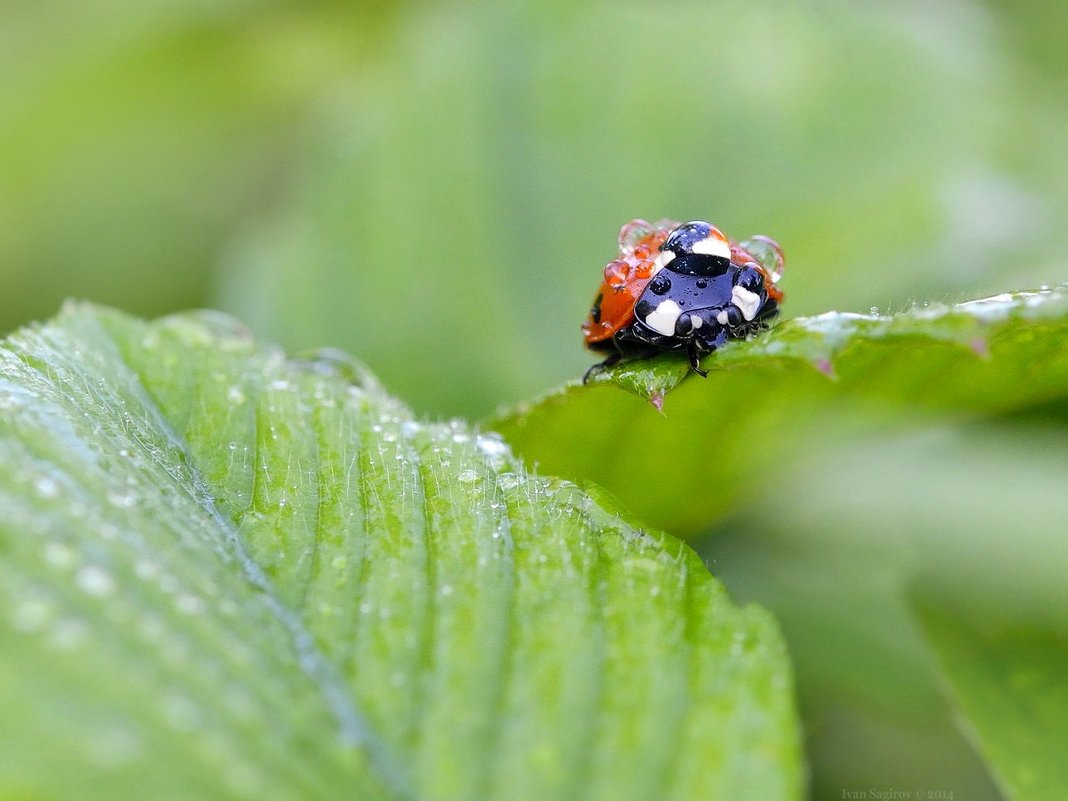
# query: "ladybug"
681,287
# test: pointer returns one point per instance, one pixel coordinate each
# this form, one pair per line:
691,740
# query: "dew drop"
168,584
59,555
150,627
467,476
113,746
96,581
243,779
633,232
768,253
493,448
180,713
123,500
221,329
32,615
189,604
69,633
239,703
507,481
146,570
46,487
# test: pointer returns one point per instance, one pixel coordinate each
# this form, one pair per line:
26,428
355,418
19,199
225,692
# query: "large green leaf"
681,451
971,515
789,456
228,575
1008,678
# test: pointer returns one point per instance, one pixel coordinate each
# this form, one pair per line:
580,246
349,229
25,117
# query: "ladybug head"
699,249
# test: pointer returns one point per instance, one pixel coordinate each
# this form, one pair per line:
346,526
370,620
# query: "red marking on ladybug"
625,278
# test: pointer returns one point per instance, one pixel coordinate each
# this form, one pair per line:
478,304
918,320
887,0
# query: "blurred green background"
435,188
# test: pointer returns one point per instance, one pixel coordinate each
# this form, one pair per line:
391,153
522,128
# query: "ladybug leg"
600,367
734,318
714,336
694,352
708,334
767,311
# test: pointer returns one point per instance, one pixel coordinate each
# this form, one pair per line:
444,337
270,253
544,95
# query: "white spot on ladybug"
662,260
747,302
713,246
722,318
663,318
696,321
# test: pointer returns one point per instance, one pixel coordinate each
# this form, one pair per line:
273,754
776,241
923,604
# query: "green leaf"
973,516
225,574
682,452
1008,680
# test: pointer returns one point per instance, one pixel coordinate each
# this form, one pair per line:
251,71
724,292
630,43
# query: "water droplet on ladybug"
660,284
644,269
616,273
768,254
634,232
